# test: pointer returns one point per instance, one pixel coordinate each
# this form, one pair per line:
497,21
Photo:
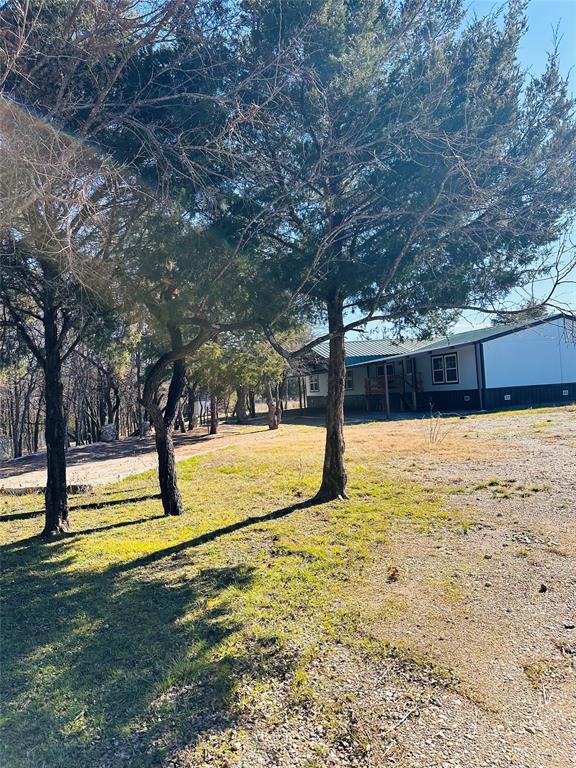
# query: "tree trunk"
38,416
252,403
334,477
272,407
140,413
192,418
279,404
169,491
241,415
213,415
180,420
56,496
163,427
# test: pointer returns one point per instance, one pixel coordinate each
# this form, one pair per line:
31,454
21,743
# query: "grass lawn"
138,635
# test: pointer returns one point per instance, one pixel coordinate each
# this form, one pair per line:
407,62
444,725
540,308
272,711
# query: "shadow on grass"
119,668
21,544
205,538
89,505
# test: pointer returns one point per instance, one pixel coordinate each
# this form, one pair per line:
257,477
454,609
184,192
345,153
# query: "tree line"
102,390
222,175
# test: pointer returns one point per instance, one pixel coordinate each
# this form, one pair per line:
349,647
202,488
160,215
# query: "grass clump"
509,488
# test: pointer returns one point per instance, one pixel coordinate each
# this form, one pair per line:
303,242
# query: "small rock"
487,556
568,625
530,729
488,584
543,588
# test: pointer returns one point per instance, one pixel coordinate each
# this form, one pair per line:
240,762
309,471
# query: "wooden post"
414,398
479,377
386,392
367,388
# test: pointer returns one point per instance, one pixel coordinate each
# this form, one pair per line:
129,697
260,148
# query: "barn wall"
542,355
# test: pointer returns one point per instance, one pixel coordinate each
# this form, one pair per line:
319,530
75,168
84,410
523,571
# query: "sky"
544,16
545,19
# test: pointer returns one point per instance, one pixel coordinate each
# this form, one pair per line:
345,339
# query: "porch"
396,392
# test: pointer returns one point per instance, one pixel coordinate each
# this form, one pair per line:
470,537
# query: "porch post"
414,398
386,393
479,376
367,389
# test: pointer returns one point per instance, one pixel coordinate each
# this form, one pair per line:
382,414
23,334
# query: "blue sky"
544,16
545,19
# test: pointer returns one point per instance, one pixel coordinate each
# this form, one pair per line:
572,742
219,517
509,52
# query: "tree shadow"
20,544
121,667
205,538
88,505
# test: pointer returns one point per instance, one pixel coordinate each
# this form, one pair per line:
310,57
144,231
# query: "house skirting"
539,394
455,400
351,403
458,400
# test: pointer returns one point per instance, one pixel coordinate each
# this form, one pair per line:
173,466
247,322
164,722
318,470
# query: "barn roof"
364,350
360,351
481,334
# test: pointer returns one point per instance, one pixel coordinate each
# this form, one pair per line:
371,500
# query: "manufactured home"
523,364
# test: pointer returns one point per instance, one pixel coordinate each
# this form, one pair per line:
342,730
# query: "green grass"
139,633
520,411
509,489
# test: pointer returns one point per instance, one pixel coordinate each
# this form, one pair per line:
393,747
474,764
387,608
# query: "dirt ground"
495,606
104,463
485,611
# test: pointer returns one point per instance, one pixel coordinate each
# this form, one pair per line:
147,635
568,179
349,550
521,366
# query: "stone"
109,433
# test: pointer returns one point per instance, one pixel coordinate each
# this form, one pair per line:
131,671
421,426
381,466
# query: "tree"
21,394
252,365
52,235
181,269
87,72
414,169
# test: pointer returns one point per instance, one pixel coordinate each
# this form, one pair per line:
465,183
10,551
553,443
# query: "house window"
349,383
314,383
389,368
445,369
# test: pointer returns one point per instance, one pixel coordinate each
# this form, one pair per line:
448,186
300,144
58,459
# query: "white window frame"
349,380
314,382
444,369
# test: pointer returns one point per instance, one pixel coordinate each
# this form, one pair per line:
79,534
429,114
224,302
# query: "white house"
505,365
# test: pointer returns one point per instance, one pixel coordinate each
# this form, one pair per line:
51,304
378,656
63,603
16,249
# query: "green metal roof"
361,351
480,334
